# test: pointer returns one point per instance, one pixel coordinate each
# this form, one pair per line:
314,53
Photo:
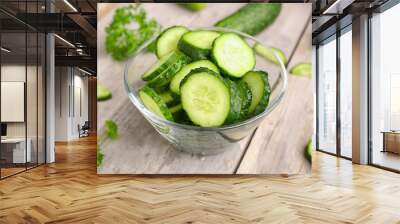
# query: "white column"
50,99
360,90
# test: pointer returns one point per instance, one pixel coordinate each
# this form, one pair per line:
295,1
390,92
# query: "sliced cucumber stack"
161,65
168,40
176,80
155,103
260,90
233,55
245,98
164,78
197,44
235,101
205,97
206,78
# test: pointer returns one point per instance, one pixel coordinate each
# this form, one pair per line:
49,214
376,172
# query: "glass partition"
346,93
23,89
14,153
327,96
385,89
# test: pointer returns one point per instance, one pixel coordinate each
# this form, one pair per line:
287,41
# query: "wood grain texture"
284,135
70,191
141,150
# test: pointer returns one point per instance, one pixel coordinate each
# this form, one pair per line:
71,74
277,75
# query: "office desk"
15,148
391,141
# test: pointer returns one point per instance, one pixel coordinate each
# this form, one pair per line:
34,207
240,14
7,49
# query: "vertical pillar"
360,90
50,93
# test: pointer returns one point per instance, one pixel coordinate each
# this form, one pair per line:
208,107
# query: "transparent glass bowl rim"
271,106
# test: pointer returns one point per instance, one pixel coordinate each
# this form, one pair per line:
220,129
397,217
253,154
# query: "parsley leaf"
111,129
100,156
122,39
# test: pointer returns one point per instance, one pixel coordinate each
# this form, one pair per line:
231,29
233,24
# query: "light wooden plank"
278,144
140,149
70,191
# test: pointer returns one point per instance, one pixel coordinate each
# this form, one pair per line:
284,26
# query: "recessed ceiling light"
84,71
70,5
5,50
64,40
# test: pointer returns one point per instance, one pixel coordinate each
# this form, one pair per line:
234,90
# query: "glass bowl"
194,139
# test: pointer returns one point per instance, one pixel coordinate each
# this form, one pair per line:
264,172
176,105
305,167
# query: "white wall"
70,83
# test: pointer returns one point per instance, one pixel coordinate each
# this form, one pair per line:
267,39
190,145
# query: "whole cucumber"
252,18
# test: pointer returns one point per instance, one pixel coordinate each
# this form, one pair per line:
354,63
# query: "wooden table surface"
275,147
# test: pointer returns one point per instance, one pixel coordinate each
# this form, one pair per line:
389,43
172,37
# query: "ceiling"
74,22
331,15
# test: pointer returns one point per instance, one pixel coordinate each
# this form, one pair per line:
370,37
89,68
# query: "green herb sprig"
111,132
129,29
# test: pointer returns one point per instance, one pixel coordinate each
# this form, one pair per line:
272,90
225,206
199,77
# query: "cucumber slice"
161,65
260,89
233,55
235,101
194,6
155,103
245,98
103,93
205,97
308,151
169,97
176,108
168,40
164,78
240,101
197,44
302,69
268,53
176,80
252,18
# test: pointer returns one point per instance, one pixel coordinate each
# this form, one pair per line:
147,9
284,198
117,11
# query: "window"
385,89
327,96
346,92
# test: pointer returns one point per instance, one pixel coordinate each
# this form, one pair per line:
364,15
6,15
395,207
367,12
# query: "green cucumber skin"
165,77
188,49
198,70
252,18
194,6
175,82
236,102
265,98
159,101
246,96
171,60
160,36
192,51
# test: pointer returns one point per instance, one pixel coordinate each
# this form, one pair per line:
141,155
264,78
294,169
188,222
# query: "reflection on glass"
346,94
15,151
41,99
386,89
327,96
31,100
